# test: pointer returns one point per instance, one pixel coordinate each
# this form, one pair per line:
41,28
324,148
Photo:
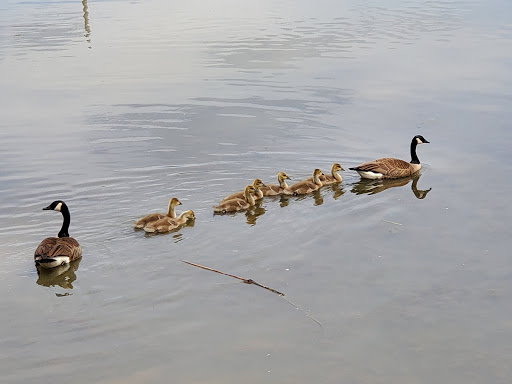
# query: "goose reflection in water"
86,22
254,212
63,275
371,187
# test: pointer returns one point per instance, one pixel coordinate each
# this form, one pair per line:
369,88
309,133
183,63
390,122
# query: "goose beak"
426,142
48,208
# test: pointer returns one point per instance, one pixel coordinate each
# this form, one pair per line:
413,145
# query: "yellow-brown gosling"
391,168
168,224
55,251
334,177
306,186
143,221
258,194
237,204
272,189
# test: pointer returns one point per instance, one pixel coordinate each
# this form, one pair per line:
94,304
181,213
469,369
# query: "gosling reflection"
318,195
336,189
254,212
371,187
63,275
86,22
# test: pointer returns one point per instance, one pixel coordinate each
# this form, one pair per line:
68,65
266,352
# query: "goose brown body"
55,251
168,224
143,221
306,186
391,168
236,205
258,193
274,190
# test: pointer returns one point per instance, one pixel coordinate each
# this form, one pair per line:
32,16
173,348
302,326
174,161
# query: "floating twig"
390,222
246,281
251,281
304,312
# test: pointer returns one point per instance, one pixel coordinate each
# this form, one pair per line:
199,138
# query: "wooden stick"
246,281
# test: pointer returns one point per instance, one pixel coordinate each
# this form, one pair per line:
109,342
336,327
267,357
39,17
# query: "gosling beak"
342,169
179,202
263,185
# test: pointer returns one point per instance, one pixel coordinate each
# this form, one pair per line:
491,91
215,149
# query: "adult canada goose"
237,204
305,186
168,224
143,221
391,168
334,177
272,189
258,194
55,251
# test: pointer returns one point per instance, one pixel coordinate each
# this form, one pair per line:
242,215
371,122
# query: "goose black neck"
414,156
67,219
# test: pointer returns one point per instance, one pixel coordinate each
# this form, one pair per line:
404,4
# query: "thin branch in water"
246,281
304,312
250,281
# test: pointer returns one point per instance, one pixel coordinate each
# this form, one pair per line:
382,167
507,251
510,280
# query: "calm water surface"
117,106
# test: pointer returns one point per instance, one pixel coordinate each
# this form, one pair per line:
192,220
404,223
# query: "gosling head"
420,139
174,202
189,215
55,206
282,176
258,184
317,173
337,167
249,190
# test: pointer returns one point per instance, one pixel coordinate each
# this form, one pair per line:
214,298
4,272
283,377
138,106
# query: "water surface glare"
114,107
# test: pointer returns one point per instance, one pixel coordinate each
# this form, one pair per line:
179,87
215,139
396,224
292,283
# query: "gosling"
143,221
168,224
272,189
257,184
306,186
334,177
236,205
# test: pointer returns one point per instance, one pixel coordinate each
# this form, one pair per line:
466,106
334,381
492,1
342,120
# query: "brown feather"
59,246
389,167
271,190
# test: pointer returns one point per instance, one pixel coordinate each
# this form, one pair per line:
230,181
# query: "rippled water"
116,106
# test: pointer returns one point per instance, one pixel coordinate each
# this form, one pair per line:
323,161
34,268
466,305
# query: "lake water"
116,106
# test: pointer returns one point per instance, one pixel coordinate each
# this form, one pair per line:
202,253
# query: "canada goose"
391,168
237,204
168,224
334,177
272,189
305,186
55,251
258,194
143,221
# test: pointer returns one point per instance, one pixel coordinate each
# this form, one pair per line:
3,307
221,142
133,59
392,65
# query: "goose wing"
387,166
59,246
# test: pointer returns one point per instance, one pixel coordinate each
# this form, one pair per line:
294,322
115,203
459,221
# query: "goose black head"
55,206
420,139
